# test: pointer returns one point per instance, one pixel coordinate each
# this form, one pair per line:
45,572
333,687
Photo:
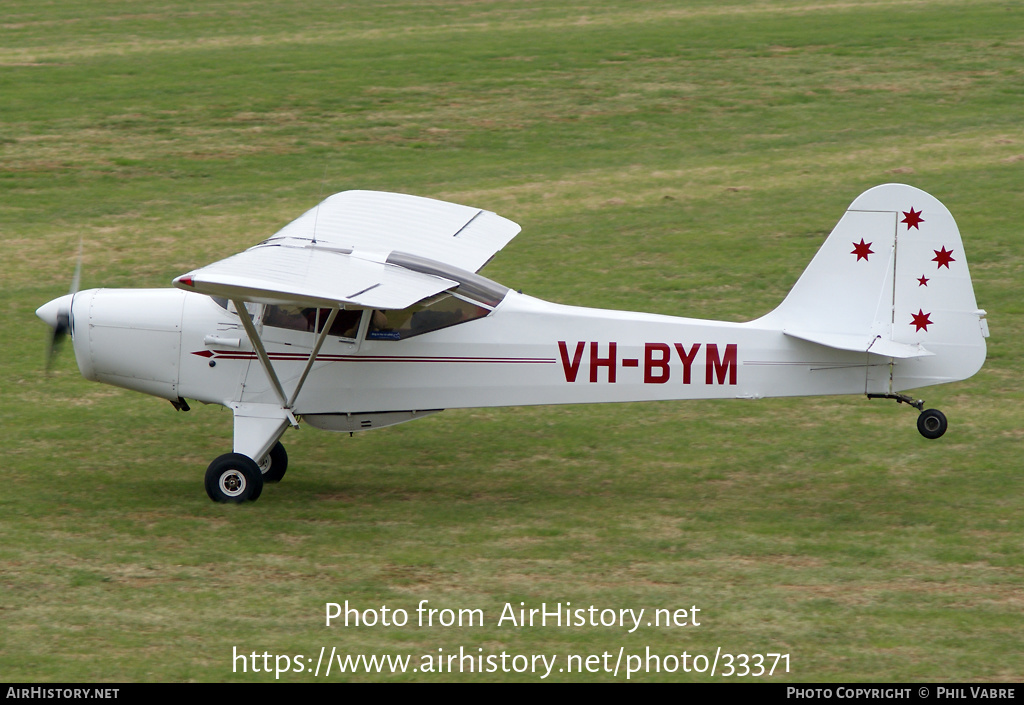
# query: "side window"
229,306
346,323
290,317
429,315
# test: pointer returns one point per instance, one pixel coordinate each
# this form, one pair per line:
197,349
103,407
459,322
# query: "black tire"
234,478
931,423
275,464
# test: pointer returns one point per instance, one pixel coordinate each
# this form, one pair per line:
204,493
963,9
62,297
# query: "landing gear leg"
931,423
257,430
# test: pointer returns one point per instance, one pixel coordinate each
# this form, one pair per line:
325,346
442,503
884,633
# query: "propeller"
57,314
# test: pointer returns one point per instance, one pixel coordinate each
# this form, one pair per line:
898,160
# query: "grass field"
684,158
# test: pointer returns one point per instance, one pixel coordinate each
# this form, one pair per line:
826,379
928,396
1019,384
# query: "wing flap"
874,344
279,274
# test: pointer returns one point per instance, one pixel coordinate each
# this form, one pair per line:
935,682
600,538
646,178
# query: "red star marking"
943,257
862,250
922,280
912,219
921,320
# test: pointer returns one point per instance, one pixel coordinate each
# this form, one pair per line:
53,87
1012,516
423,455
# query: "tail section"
892,280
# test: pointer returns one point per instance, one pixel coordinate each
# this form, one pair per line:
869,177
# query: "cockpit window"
429,315
229,306
346,323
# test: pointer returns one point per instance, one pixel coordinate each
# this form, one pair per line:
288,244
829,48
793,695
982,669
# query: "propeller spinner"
57,313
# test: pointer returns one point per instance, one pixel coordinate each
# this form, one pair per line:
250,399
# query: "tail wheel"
234,478
931,423
274,464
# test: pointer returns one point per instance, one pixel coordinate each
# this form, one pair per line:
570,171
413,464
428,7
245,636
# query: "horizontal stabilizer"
862,343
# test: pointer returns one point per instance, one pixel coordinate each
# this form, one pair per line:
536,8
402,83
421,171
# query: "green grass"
682,158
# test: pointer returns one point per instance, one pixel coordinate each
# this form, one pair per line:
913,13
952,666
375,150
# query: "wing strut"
257,342
312,355
268,367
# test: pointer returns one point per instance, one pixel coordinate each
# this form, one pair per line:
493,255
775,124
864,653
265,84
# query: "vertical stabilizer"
892,280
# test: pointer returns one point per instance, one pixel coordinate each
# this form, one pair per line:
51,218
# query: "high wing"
460,236
348,250
312,276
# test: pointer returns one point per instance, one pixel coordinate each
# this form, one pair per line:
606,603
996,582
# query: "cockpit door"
289,334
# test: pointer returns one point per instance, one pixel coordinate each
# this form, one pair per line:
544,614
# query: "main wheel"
274,464
234,478
931,423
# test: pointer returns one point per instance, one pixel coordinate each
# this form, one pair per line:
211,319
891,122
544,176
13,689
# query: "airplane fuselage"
172,343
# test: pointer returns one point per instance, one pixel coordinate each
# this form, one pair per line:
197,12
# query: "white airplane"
368,311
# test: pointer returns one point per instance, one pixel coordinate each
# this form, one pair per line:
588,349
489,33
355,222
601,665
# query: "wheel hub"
232,483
